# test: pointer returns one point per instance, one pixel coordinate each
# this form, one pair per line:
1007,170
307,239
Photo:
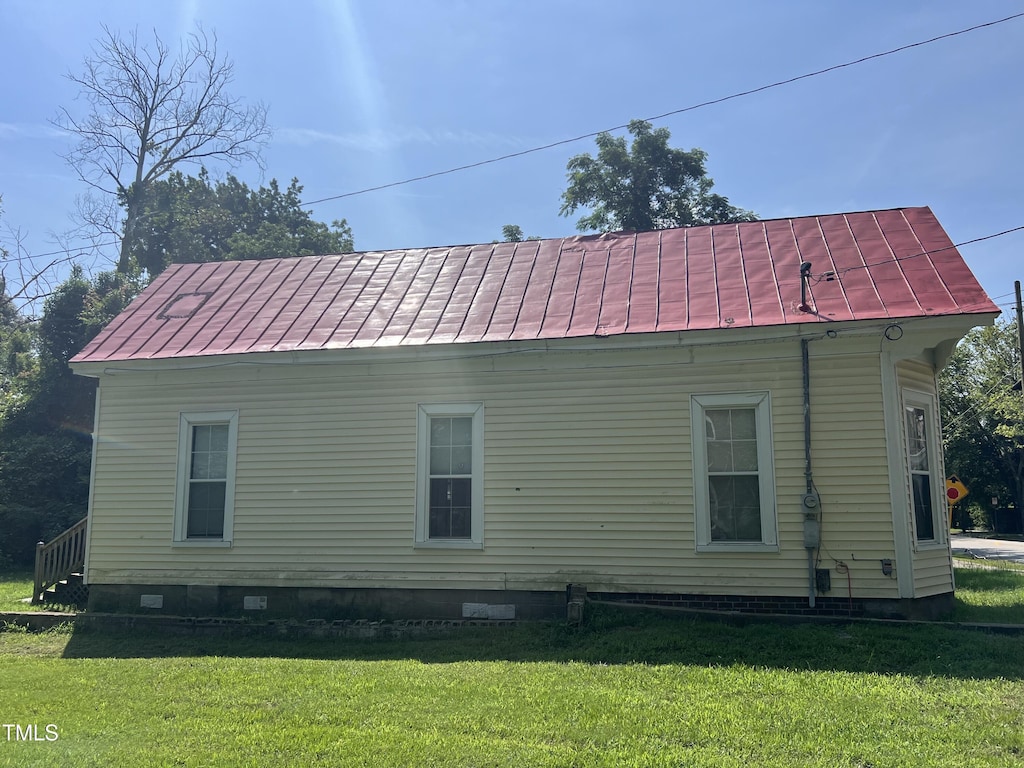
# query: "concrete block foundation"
263,603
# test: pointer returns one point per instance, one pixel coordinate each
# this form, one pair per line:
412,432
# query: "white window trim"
424,413
940,508
761,402
186,422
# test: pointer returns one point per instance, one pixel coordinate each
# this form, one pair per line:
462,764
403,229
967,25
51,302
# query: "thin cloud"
30,131
384,140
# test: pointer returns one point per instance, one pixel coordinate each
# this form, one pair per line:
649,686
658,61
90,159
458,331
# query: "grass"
628,688
1008,565
991,594
15,587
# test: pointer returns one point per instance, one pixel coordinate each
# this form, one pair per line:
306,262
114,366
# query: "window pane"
735,508
719,456
460,525
440,492
716,425
923,516
440,523
206,509
200,465
441,461
462,492
218,465
744,455
743,424
201,438
440,431
462,460
462,430
917,439
219,437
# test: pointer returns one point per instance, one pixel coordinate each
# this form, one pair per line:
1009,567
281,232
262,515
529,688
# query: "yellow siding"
933,564
587,473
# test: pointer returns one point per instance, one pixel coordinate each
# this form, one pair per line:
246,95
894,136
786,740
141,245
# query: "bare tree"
26,280
149,112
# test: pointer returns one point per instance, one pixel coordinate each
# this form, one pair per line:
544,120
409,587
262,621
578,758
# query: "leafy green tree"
646,186
513,233
16,343
46,421
44,489
191,219
983,417
150,111
16,348
46,412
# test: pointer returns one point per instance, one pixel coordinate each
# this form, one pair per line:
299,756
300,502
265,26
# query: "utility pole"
1020,334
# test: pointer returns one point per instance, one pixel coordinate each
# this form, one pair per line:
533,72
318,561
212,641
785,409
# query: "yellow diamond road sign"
955,490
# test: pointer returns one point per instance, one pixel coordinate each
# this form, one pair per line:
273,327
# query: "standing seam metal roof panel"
765,301
509,302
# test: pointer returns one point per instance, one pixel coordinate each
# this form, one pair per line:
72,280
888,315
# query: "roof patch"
184,305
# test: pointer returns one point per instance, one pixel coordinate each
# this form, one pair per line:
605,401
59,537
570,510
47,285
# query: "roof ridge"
579,236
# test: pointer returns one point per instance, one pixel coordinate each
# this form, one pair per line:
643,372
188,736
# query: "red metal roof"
884,264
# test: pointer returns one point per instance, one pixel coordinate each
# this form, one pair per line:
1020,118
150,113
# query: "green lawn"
992,594
15,587
628,688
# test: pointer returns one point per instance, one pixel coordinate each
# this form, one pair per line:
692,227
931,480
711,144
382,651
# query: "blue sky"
367,93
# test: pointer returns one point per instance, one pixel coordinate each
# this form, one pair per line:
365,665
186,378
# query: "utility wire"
818,277
986,400
63,251
839,272
690,108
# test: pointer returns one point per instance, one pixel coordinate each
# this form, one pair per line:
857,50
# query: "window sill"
930,546
448,544
737,547
202,544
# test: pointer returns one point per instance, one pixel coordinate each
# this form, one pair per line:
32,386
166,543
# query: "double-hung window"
923,465
733,473
449,487
204,506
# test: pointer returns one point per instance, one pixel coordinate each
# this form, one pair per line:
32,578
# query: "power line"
653,118
819,277
680,111
840,272
986,400
63,251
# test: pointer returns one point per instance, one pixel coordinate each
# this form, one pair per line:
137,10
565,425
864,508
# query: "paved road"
988,549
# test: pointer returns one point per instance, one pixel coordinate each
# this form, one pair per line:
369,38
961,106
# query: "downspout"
812,527
810,502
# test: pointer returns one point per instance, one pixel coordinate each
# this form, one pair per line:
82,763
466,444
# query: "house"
737,416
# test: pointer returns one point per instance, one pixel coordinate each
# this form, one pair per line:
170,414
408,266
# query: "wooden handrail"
59,558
